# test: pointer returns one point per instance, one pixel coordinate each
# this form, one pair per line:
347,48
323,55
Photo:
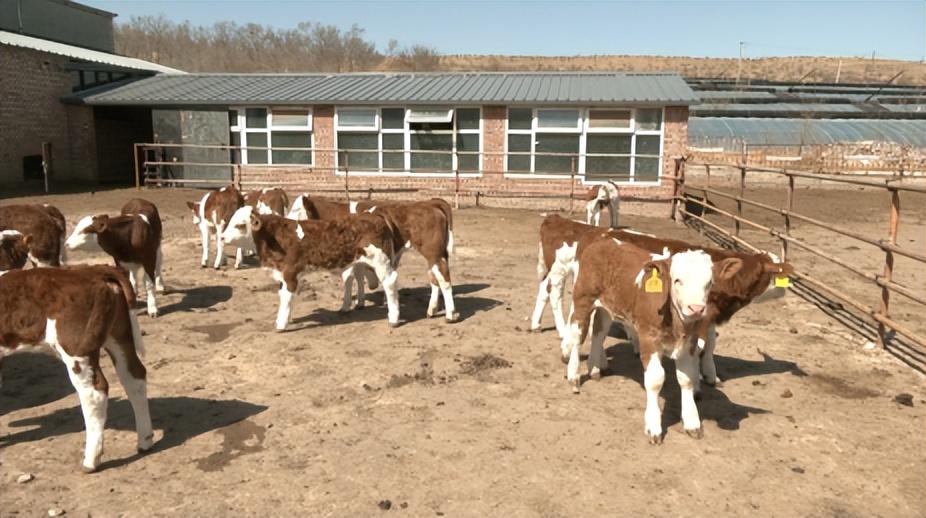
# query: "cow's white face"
83,237
238,231
692,276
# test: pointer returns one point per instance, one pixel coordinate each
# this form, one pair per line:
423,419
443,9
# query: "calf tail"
119,282
447,211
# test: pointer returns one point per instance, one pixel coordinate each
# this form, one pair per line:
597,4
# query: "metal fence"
693,204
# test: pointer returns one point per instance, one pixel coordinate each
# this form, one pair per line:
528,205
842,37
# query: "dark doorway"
117,129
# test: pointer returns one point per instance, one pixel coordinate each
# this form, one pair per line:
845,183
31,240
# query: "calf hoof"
344,310
655,439
394,325
153,314
695,433
279,329
87,469
453,318
575,385
203,265
595,374
534,329
145,445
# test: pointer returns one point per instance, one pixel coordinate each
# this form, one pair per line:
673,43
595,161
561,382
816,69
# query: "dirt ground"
347,417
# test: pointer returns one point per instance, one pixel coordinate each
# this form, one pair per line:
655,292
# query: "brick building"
499,133
50,49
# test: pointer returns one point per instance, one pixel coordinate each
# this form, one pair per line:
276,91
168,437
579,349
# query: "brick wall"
31,86
492,188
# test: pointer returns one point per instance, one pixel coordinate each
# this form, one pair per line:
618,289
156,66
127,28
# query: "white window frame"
584,131
358,129
243,131
407,132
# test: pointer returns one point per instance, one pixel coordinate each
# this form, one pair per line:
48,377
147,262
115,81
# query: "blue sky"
892,29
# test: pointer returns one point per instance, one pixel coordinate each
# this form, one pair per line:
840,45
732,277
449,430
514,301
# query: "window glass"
519,143
613,144
647,145
617,168
649,119
255,117
358,160
467,151
290,118
232,118
357,118
393,118
234,156
257,156
615,119
431,162
558,119
468,118
647,169
433,115
519,118
291,139
556,143
393,161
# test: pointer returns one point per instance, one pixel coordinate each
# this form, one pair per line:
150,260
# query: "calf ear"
100,223
724,270
194,206
779,268
662,270
255,223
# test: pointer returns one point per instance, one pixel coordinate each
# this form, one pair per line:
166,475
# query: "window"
271,136
419,140
620,144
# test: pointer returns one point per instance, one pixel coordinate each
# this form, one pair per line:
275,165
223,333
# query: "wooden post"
137,170
236,172
678,184
739,203
707,171
784,242
46,162
456,182
477,197
572,185
889,264
347,174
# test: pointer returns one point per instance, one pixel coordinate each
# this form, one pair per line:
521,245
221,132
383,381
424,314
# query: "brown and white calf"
271,200
662,297
289,247
597,198
78,312
426,226
212,214
40,229
132,239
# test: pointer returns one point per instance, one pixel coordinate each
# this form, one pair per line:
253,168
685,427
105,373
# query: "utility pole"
739,65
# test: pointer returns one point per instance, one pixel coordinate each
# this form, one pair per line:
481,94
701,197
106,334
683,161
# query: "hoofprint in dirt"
341,415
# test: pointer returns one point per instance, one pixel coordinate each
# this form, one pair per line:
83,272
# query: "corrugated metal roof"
71,51
557,88
718,131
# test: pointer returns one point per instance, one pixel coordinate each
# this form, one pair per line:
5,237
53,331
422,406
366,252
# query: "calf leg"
359,272
347,278
382,264
708,368
93,391
435,294
686,369
597,358
285,312
441,271
571,344
132,375
150,277
219,245
204,234
543,296
239,257
557,289
653,378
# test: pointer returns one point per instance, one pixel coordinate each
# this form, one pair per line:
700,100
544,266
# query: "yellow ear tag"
783,282
654,283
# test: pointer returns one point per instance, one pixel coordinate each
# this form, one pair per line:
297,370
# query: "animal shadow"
200,297
32,379
180,418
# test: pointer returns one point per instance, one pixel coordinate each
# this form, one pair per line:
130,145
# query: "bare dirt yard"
344,416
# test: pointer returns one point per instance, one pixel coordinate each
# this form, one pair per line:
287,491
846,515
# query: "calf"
43,229
662,297
212,214
289,247
132,239
268,201
426,226
79,311
597,198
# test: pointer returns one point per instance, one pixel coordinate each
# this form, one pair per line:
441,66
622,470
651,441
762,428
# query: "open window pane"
291,139
255,117
647,145
519,118
468,151
393,118
290,118
555,143
359,118
431,162
257,156
430,126
431,115
351,154
558,119
468,118
647,169
612,119
649,119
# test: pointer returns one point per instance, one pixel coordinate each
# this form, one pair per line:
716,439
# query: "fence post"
456,182
347,174
784,242
678,183
889,264
572,185
46,162
137,171
236,172
739,202
707,171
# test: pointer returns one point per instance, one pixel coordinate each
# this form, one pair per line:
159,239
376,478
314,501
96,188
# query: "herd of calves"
668,294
